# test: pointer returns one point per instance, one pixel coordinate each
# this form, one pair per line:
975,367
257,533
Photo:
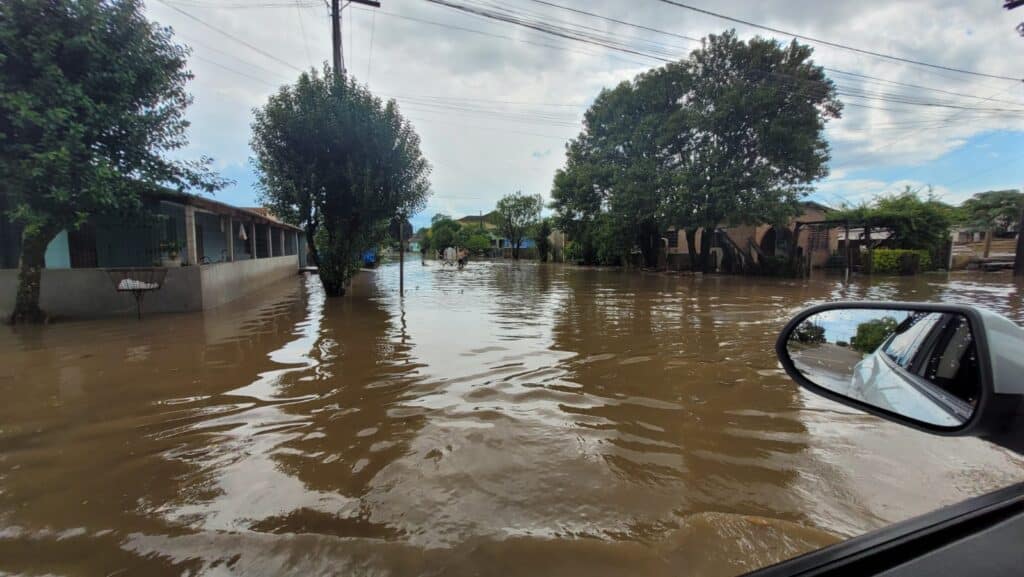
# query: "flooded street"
502,420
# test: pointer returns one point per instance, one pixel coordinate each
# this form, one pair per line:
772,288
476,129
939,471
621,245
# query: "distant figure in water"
449,255
463,258
423,255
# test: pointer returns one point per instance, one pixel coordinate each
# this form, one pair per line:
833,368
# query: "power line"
369,57
501,36
610,19
547,26
692,39
548,29
302,30
839,45
231,36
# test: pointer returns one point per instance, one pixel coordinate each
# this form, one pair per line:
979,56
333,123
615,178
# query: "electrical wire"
369,57
302,30
839,45
229,35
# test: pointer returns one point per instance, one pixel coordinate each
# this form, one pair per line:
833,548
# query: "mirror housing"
999,412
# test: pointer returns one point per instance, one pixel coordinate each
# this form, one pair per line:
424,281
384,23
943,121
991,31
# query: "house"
213,253
753,243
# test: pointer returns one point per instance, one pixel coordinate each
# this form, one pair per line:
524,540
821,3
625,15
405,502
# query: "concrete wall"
225,282
89,292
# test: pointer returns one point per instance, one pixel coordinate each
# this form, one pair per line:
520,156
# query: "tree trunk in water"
706,235
30,273
334,286
311,245
515,251
691,247
988,243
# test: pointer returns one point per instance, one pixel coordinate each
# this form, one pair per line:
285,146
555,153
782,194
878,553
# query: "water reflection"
507,415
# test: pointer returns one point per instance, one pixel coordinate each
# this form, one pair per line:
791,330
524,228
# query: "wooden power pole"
336,8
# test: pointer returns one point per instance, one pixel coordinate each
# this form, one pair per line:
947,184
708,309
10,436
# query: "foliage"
338,161
445,232
916,223
478,242
541,238
424,235
996,210
573,252
517,213
92,100
718,138
809,332
871,334
888,261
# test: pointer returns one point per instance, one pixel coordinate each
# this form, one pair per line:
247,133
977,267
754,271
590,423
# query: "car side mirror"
944,369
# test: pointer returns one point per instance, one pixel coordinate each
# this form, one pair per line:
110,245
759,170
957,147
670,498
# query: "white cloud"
488,142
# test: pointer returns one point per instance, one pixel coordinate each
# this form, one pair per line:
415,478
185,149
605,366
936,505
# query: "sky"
495,103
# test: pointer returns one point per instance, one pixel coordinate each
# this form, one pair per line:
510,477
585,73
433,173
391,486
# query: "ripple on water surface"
505,418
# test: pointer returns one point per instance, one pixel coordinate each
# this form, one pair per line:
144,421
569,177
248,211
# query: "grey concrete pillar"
190,234
229,236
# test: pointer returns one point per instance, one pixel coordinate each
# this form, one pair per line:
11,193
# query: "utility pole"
336,8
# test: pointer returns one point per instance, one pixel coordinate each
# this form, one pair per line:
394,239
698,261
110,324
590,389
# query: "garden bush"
887,261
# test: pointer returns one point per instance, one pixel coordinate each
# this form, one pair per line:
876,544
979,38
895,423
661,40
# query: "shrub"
871,334
887,261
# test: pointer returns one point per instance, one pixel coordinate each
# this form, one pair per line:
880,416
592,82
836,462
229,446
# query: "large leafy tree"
338,161
517,214
92,98
915,222
732,135
749,139
445,232
995,211
541,238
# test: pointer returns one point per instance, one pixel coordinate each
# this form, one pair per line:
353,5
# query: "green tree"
993,211
338,161
750,139
445,232
809,332
92,99
732,135
915,223
424,235
541,238
517,213
478,242
871,334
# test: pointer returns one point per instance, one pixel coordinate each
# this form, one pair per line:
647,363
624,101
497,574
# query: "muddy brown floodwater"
503,420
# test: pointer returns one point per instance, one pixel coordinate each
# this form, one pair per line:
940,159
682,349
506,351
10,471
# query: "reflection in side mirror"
920,365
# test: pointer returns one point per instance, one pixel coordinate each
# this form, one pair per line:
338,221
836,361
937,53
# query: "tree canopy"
92,100
517,213
338,161
915,222
995,210
732,135
541,238
871,334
